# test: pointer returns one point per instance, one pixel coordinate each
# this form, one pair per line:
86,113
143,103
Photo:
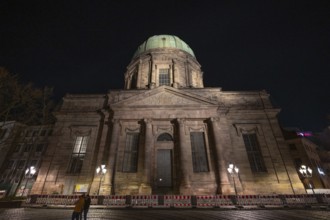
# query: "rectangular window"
18,148
78,154
80,145
10,164
20,164
28,134
33,163
297,162
254,153
198,150
27,147
292,147
43,133
40,147
164,77
3,131
131,152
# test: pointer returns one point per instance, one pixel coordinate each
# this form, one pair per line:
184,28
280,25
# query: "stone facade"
164,133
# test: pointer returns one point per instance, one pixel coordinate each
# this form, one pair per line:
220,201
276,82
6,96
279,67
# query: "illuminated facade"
165,133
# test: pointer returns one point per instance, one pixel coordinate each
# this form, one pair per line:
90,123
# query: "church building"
165,133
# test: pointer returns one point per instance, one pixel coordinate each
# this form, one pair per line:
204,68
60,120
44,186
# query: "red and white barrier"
168,201
141,201
182,201
326,198
94,200
41,199
270,200
310,199
223,200
115,201
295,200
248,200
153,200
206,201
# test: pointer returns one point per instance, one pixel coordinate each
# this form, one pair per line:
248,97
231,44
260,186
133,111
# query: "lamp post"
233,170
100,170
306,172
29,172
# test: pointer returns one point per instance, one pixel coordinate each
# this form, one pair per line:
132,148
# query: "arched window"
165,137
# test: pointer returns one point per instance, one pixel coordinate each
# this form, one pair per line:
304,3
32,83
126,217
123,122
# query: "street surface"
165,214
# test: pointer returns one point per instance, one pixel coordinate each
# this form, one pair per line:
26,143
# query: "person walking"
78,208
86,205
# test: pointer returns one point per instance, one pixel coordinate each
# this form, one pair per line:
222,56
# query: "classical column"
153,75
175,79
108,184
139,74
222,155
145,187
184,160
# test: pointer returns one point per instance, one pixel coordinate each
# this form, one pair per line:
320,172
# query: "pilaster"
145,187
221,145
185,187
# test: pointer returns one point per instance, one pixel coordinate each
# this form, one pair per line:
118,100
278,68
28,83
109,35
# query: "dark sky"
85,46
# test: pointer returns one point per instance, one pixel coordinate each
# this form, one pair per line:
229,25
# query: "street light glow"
232,169
307,172
101,170
29,172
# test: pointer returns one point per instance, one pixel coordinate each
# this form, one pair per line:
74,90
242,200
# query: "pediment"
165,96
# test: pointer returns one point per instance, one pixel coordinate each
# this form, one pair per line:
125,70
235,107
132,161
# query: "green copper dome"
163,41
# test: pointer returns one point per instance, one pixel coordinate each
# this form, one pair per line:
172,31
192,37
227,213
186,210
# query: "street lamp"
100,170
29,172
306,172
233,170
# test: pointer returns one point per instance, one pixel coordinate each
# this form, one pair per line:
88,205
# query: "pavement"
166,214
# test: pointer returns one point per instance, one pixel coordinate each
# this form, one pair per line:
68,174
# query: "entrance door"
164,168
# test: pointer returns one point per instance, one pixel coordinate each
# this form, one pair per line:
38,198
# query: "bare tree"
23,102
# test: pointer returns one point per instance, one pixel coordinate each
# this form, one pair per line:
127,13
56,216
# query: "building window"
198,150
18,148
20,164
292,147
164,77
165,137
33,163
131,152
3,132
27,147
10,164
297,162
28,134
43,132
39,147
78,154
254,153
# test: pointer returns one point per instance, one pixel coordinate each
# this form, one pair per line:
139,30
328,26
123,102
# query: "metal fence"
185,201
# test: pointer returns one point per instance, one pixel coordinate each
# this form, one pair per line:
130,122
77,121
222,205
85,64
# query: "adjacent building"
23,147
305,152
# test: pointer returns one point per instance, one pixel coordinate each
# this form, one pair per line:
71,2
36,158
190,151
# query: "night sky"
85,46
